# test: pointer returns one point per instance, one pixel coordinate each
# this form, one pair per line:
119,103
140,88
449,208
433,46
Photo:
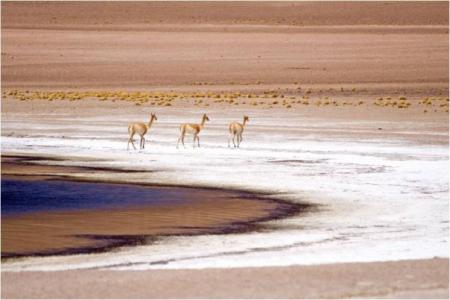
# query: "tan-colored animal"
193,129
236,130
141,129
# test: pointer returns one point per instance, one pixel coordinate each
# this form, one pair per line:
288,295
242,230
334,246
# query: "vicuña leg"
230,137
142,142
130,140
196,138
181,138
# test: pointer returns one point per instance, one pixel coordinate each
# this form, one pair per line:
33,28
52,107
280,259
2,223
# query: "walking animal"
141,129
193,129
236,130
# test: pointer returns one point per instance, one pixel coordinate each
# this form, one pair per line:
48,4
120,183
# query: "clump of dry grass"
426,101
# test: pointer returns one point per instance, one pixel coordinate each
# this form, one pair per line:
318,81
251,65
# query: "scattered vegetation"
270,98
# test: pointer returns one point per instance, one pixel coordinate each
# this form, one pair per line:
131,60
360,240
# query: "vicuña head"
153,117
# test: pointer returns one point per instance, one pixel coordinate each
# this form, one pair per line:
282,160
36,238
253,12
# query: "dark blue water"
25,196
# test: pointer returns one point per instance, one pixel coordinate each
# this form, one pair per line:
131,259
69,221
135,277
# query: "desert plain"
348,106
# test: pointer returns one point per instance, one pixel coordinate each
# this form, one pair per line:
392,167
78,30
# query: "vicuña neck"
150,123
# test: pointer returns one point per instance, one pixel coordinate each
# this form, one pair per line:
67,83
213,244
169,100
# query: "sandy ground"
403,279
270,13
46,45
360,126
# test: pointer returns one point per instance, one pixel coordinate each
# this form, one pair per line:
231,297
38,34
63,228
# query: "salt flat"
381,194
